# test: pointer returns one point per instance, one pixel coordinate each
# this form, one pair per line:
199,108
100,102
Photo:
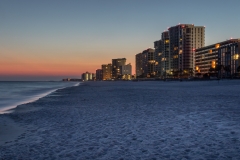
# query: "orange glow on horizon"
23,63
49,69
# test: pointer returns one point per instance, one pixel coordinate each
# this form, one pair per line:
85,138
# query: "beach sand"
9,130
127,120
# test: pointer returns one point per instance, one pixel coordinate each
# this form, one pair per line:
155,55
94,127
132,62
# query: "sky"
55,39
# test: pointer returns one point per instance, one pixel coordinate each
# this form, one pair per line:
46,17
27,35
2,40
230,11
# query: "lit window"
217,46
213,64
236,56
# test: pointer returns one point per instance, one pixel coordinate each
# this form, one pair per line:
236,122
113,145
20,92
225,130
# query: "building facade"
184,40
139,65
228,58
116,67
158,53
87,76
99,75
165,55
148,63
219,59
206,59
126,71
107,71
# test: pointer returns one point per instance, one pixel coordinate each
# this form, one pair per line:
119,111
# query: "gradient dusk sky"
55,39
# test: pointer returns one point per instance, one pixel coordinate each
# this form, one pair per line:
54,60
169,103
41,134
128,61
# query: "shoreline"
9,129
10,109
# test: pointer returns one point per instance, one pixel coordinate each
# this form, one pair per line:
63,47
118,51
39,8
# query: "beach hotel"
219,58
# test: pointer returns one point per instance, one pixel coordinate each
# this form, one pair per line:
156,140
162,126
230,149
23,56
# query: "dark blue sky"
82,35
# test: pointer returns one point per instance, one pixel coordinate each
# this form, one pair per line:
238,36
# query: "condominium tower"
158,52
99,74
116,67
148,63
139,65
107,71
165,55
184,40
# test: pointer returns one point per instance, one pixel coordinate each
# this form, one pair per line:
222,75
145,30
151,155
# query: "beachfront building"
94,76
158,53
99,75
184,39
165,56
87,76
145,64
139,65
206,60
219,59
116,67
107,71
228,58
148,63
126,71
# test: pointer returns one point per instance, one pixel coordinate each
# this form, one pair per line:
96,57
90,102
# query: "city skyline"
50,40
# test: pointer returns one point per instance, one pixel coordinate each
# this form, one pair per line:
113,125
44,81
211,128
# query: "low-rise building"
228,58
87,76
219,58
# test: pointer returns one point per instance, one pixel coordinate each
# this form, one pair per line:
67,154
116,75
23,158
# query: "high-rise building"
126,71
158,53
139,65
93,76
148,63
184,40
165,55
107,71
116,67
99,75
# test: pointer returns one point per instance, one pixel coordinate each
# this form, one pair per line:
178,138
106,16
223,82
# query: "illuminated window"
213,64
210,51
166,41
217,46
236,56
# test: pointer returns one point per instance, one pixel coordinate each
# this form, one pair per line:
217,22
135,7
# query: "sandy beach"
127,120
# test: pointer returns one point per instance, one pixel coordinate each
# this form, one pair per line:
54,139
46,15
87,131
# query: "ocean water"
14,93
